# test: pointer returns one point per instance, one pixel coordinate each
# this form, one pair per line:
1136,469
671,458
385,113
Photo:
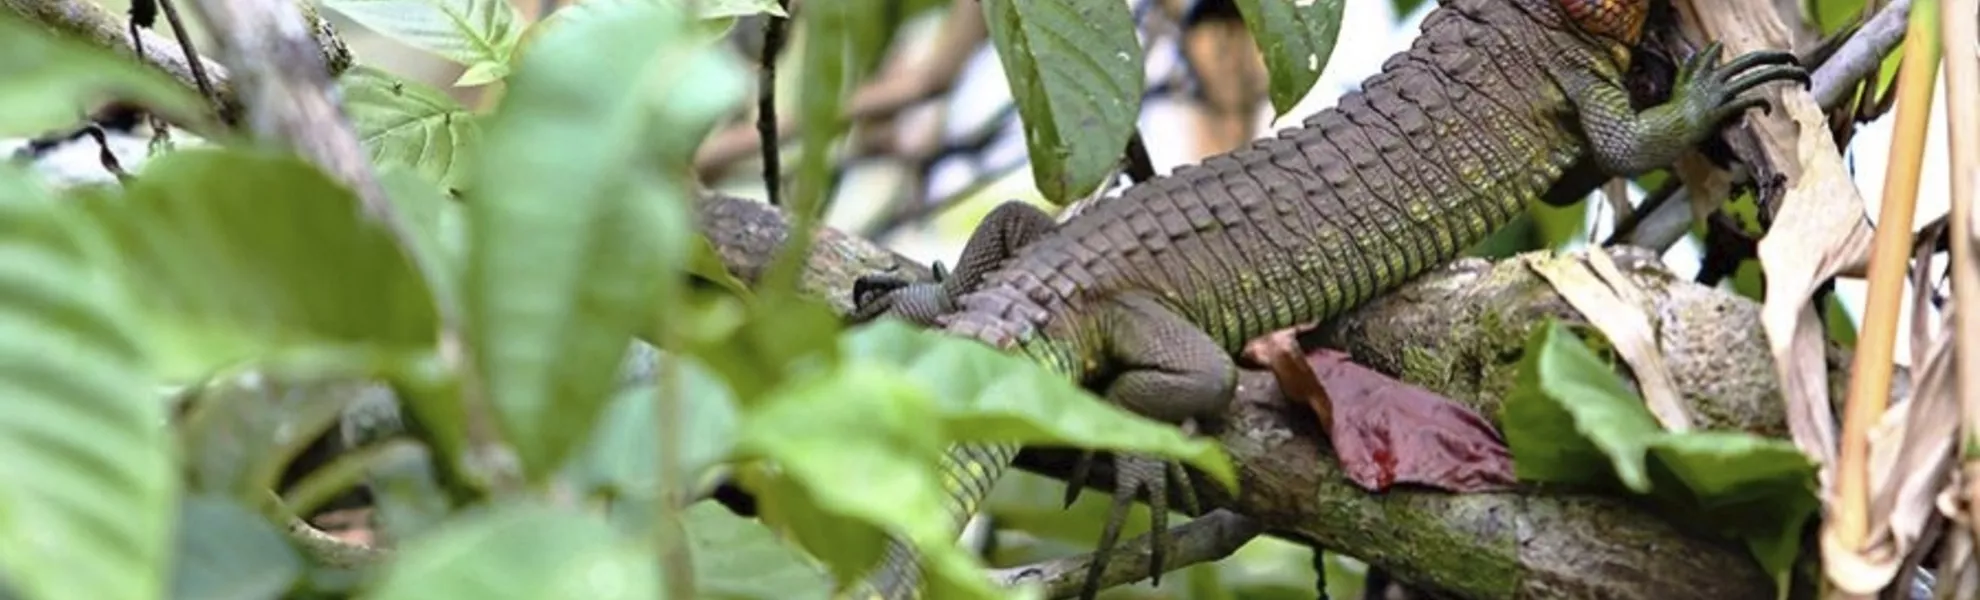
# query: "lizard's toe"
1135,477
1076,482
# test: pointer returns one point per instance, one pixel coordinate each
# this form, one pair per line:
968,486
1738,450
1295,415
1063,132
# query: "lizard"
1147,297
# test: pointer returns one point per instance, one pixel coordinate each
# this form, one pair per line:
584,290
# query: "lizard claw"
919,303
1144,478
872,295
1716,92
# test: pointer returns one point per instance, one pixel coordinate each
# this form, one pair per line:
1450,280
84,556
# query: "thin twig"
882,97
1140,167
201,80
91,23
1208,538
766,104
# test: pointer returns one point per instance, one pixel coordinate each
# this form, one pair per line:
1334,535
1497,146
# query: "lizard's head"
1618,20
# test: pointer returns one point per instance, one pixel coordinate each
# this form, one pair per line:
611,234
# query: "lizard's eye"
1621,20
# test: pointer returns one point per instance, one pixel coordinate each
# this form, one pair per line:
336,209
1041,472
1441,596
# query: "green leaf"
245,253
438,228
242,430
713,9
857,440
226,552
741,559
1404,8
621,457
1296,38
401,122
521,551
1571,419
1760,490
87,506
477,33
577,239
48,81
1568,415
854,443
985,395
1075,68
707,264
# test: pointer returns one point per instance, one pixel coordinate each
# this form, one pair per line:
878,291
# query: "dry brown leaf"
1961,34
1613,304
1911,452
1710,186
1821,228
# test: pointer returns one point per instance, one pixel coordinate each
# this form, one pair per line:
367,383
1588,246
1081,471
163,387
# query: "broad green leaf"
578,238
741,559
985,395
407,497
1570,419
1830,16
713,9
405,123
50,81
245,253
1075,69
855,442
622,456
707,264
477,33
438,225
1296,38
848,545
521,551
1404,8
1756,489
858,440
1568,415
227,552
88,502
243,429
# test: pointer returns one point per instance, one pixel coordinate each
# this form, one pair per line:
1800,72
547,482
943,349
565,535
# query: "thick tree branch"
1526,544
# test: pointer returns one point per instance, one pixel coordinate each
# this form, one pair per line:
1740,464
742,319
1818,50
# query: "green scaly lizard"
1145,298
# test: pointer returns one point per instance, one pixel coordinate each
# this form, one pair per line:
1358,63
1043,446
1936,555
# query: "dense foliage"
168,345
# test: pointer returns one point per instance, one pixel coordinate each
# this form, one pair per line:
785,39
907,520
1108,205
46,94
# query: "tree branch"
1457,331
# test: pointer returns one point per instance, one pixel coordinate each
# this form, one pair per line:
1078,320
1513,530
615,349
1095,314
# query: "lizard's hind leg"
1167,369
1009,227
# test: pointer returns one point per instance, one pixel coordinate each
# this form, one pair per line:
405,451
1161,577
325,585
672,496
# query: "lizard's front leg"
1007,228
1707,94
1167,369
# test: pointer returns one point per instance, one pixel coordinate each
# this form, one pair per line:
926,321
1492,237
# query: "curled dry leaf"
1820,230
1911,452
1612,303
1279,351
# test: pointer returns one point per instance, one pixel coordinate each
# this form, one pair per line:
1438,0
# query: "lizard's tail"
968,472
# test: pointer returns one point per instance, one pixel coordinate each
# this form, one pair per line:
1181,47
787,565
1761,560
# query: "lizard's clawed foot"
873,295
1136,477
1715,92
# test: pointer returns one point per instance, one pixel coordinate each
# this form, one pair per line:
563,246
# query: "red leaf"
1387,432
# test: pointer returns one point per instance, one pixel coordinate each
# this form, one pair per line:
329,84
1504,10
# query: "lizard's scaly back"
1444,146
